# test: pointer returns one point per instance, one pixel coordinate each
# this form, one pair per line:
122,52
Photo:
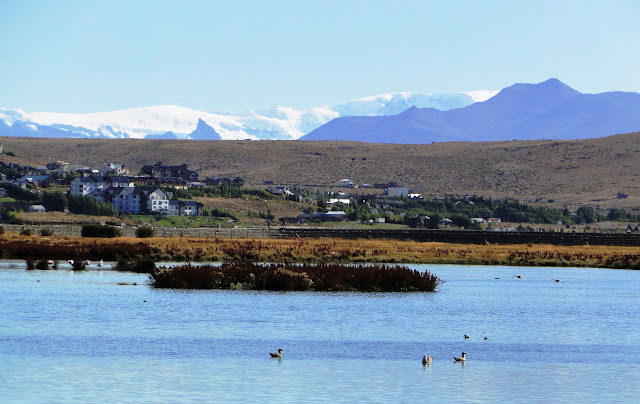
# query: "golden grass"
316,250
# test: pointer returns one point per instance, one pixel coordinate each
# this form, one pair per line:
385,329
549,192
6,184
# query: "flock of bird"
426,359
556,280
100,263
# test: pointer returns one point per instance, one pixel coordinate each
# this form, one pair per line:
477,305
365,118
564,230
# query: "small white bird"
71,262
460,358
276,354
426,359
100,264
87,262
50,262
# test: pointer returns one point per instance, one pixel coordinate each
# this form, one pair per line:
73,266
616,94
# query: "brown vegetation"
305,277
314,250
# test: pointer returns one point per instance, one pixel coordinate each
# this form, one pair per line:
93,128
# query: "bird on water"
461,358
276,354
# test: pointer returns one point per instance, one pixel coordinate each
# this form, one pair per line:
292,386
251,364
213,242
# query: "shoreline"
311,250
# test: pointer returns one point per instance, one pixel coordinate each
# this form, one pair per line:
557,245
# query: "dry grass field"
14,246
573,173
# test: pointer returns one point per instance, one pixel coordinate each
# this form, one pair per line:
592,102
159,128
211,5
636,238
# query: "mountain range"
547,110
175,122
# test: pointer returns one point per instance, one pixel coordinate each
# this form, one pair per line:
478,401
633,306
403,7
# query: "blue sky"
90,56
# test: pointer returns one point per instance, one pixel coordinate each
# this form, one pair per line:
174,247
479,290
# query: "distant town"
171,191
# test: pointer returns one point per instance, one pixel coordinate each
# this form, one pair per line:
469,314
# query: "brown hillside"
569,172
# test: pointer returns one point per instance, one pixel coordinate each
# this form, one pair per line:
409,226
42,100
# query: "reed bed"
314,250
296,277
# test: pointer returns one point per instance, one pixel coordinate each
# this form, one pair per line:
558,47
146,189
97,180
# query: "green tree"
54,201
86,205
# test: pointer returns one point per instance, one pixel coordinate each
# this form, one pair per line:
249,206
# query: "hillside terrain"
573,173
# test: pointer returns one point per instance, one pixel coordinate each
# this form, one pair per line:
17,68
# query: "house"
333,201
415,196
185,208
58,165
334,216
118,181
196,184
280,191
37,208
82,186
379,220
174,208
173,182
190,208
118,169
124,199
137,200
396,192
160,170
37,180
157,200
477,220
347,183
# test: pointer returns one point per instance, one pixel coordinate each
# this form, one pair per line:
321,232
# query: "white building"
82,186
347,183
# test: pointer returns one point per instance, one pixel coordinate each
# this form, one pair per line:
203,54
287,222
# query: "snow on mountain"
171,121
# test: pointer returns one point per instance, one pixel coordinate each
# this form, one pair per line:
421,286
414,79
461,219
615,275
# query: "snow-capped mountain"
175,122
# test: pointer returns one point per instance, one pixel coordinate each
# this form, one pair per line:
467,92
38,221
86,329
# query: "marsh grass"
296,277
320,250
140,264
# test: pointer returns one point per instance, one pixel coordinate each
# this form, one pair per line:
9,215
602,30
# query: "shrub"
1,229
141,264
46,232
99,230
25,231
288,276
145,232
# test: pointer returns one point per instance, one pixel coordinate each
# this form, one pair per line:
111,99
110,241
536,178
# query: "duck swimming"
276,354
460,358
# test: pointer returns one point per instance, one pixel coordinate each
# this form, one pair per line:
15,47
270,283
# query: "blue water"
104,336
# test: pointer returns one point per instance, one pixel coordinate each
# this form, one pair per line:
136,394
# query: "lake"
104,336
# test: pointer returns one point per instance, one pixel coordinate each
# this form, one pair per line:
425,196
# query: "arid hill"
590,171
